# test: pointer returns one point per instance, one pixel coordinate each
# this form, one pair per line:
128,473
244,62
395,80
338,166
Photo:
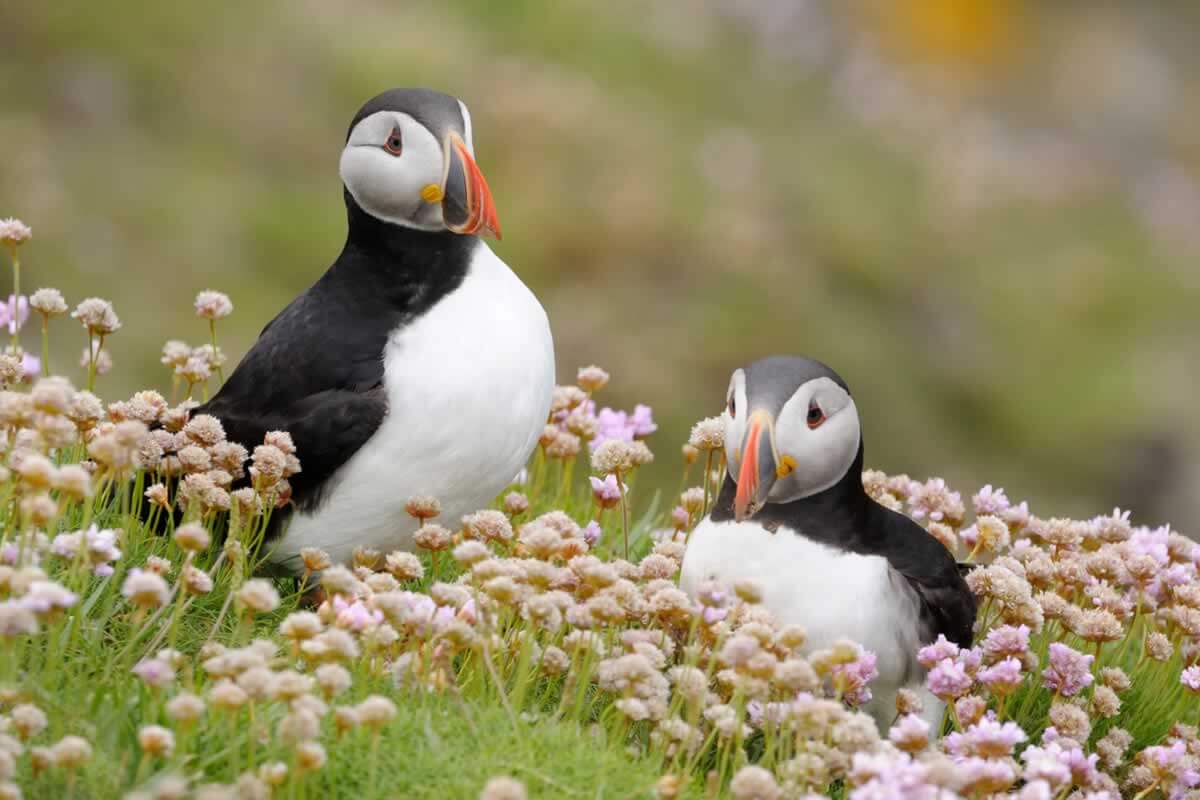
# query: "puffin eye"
394,143
815,415
732,406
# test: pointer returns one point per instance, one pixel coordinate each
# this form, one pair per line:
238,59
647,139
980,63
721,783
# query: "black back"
845,517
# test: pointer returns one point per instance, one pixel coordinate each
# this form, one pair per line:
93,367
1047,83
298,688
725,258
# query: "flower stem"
707,478
624,515
91,361
16,300
45,345
212,336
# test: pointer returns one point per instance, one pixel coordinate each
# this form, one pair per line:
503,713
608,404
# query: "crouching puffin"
418,364
793,516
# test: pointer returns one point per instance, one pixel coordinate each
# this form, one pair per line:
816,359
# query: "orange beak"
467,205
758,470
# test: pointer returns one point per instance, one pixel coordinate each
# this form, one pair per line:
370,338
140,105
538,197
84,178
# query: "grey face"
791,431
409,160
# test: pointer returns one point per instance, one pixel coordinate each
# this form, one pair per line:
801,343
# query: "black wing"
316,372
947,605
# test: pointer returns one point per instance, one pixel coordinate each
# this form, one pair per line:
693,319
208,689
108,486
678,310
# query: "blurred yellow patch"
966,32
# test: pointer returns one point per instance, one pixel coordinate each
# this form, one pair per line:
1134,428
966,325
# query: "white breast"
469,386
831,593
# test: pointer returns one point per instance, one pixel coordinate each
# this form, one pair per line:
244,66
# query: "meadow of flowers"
537,648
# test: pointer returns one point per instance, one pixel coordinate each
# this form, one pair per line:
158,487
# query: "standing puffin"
418,364
793,516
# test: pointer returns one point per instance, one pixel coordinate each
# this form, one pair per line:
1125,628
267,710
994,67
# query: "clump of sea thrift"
527,610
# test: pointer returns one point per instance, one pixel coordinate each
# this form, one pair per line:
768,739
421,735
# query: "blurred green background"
985,214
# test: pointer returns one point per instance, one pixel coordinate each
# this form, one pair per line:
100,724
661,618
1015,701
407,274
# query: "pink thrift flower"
990,501
884,776
468,613
948,680
14,313
931,654
852,678
1039,790
611,424
713,615
442,618
1171,765
934,500
909,728
991,739
641,422
592,531
1179,574
711,593
417,611
1082,766
969,536
1069,671
1007,640
773,714
102,548
1017,516
984,771
1153,543
1002,678
1191,678
154,672
355,616
44,597
1049,763
31,365
606,491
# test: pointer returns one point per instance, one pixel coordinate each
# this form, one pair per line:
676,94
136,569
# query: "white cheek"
832,449
735,427
389,187
823,455
735,431
378,182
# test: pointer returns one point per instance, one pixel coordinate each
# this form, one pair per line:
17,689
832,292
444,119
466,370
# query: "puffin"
792,515
418,364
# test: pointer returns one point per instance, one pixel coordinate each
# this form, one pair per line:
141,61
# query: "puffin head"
409,160
791,431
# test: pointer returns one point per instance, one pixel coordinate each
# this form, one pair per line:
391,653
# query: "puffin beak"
759,468
467,205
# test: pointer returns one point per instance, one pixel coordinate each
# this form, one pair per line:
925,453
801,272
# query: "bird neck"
402,265
842,516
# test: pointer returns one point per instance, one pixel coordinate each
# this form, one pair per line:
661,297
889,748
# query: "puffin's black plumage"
845,517
316,370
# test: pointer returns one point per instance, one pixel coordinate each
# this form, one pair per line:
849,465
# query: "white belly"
831,593
469,386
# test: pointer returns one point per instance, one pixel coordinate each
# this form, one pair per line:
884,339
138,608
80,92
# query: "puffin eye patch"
394,144
815,415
